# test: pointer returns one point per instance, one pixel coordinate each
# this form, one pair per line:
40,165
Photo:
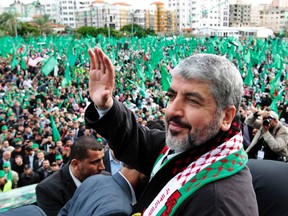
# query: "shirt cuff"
101,113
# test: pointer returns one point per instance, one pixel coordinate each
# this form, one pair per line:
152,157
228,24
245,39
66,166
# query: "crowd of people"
42,112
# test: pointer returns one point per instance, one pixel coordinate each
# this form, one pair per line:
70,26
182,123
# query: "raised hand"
101,79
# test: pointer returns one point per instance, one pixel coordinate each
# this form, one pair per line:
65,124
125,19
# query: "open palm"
101,79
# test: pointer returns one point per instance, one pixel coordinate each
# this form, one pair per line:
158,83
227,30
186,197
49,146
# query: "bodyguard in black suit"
106,195
54,191
86,159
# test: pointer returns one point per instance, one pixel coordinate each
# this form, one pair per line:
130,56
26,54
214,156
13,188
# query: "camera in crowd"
266,121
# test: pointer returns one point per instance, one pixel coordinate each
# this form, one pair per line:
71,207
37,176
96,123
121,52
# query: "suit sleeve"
44,201
133,144
65,210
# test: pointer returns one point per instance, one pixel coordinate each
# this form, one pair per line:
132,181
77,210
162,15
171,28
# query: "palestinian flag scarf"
182,175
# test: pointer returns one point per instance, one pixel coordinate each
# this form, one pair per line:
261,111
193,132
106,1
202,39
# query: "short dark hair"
81,145
27,166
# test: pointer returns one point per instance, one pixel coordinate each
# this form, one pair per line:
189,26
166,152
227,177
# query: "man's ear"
228,115
74,163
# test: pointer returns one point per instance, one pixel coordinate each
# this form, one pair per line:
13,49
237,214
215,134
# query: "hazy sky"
143,3
6,3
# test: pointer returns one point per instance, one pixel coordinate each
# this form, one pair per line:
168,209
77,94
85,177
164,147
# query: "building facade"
239,15
274,18
255,15
280,3
159,19
196,14
181,16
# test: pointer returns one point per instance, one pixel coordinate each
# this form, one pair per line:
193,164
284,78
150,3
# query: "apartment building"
280,3
182,12
239,15
274,18
196,14
159,19
99,12
25,11
255,15
117,15
121,15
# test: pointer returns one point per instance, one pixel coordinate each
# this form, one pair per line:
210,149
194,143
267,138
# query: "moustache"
178,121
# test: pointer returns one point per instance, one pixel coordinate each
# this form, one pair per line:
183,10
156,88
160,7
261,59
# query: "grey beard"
195,139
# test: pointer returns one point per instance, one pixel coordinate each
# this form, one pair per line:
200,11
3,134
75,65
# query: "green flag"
72,60
247,57
166,78
277,61
275,84
139,71
23,64
49,66
141,89
55,132
149,73
274,104
14,62
67,79
249,77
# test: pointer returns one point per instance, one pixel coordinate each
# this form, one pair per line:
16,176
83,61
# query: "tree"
42,23
87,30
27,29
137,30
92,31
8,22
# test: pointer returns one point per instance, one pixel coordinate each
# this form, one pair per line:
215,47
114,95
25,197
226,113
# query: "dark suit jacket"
249,135
270,184
36,165
54,191
26,159
100,195
106,161
79,133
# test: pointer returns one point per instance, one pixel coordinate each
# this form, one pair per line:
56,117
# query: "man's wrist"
101,112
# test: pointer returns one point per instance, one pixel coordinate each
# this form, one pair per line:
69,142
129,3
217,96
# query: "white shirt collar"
76,181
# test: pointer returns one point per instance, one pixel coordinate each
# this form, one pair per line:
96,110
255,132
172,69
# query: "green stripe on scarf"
223,168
